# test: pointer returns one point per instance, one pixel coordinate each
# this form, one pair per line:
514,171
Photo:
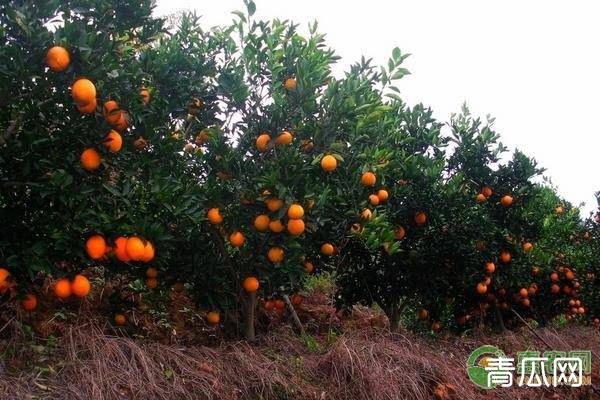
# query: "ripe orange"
95,247
276,226
505,256
374,199
83,91
284,138
308,266
113,141
481,288
368,179
490,267
269,305
570,275
306,145
62,288
523,292
554,277
581,311
262,141
356,229
237,239
80,286
145,95
250,284
328,163
399,233
120,319
481,198
327,249
121,249
366,214
436,326
486,191
506,200
525,302
295,211
201,138
4,283
275,254
214,216
279,305
383,195
89,108
532,289
29,303
295,226
148,254
121,125
58,58
290,84
274,204
140,143
111,112
527,247
420,218
213,318
151,283
90,159
423,314
261,222
555,288
135,248
559,210
296,299
151,272
487,280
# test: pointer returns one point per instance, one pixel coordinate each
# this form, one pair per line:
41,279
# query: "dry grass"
362,364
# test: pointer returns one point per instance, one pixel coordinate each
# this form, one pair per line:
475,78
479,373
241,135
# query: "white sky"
534,65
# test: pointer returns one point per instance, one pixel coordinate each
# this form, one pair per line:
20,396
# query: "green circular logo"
477,362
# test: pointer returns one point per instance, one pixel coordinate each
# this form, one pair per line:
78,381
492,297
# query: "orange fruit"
80,286
581,311
356,229
527,246
261,222
4,283
148,254
179,287
383,195
276,226
151,272
490,267
532,289
327,249
399,233
275,254
436,326
481,198
90,159
555,288
505,256
113,141
250,284
140,143
262,141
145,95
296,299
290,84
201,138
525,302
121,249
274,204
135,248
523,292
570,275
306,145
83,91
237,239
89,108
506,200
58,58
481,288
328,163
214,216
120,319
486,191
368,179
559,210
374,199
284,138
95,247
295,211
29,303
62,288
423,314
111,112
295,226
151,283
269,305
420,218
554,277
213,318
308,266
366,214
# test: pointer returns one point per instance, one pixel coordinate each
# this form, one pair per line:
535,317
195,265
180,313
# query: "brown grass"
361,364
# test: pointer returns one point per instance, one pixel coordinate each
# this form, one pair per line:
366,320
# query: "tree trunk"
498,321
249,309
394,313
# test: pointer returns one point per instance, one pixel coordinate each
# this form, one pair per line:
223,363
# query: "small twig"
294,315
531,329
5,325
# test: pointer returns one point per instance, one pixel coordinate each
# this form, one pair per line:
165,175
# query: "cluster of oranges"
125,249
80,287
264,143
84,94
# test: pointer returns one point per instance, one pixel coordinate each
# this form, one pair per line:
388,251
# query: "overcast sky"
533,65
